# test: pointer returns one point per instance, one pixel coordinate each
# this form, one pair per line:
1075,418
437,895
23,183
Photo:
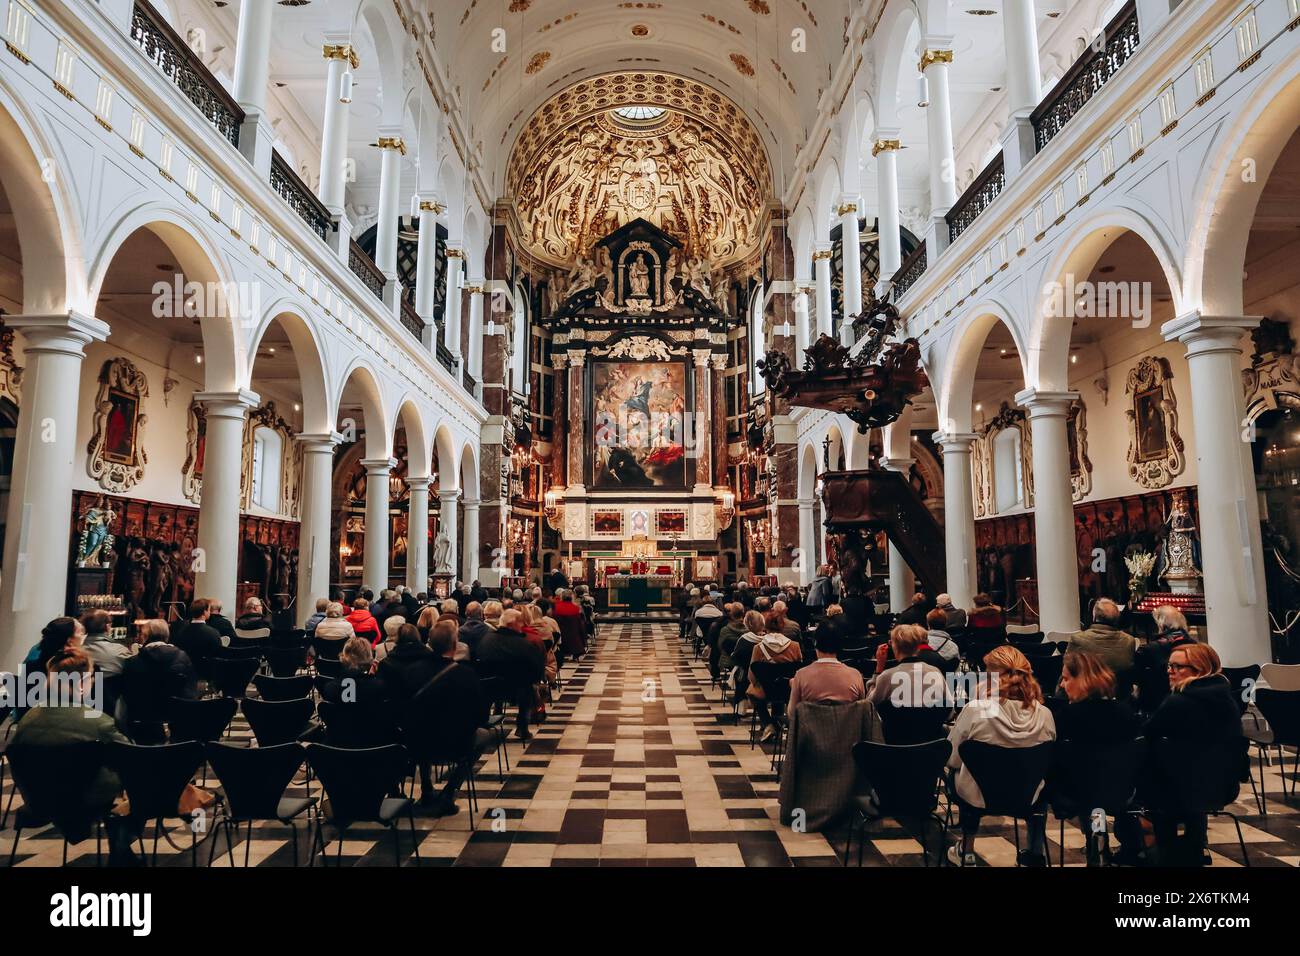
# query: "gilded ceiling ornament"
742,64
759,6
520,6
538,61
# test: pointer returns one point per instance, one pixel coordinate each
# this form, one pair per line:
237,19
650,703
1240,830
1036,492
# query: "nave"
639,764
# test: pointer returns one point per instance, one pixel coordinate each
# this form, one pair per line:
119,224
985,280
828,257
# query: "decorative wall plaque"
196,442
116,457
1155,449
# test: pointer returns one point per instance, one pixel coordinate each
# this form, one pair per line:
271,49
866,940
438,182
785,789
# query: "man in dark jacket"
199,639
216,620
254,617
474,629
151,678
508,654
408,666
449,714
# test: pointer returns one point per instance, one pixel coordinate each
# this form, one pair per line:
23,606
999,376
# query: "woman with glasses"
1200,710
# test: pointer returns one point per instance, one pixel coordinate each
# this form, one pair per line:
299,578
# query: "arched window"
1008,473
268,462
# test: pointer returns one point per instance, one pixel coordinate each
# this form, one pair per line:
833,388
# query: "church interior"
698,386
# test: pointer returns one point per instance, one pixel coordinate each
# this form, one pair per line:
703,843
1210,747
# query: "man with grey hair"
954,616
322,604
475,627
1104,639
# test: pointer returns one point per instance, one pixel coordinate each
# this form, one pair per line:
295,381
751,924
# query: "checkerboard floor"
640,764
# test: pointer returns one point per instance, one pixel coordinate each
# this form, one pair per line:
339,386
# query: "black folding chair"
499,696
53,782
357,726
278,721
356,784
327,649
282,688
1094,782
230,676
777,677
201,720
154,779
1199,777
905,726
904,783
254,780
327,668
1281,710
286,661
1009,778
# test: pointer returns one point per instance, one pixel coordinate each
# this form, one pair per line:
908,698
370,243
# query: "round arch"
955,400
1050,333
900,20
448,465
308,356
807,471
224,350
418,452
469,472
374,419
1226,198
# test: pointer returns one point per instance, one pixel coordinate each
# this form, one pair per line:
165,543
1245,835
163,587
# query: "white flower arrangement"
1140,564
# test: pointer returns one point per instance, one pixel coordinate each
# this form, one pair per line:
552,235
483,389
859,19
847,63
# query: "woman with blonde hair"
759,645
1009,713
357,682
335,626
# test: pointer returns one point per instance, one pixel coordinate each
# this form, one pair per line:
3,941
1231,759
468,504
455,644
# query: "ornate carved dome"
654,146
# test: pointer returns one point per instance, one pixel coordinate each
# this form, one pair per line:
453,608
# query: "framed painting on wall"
639,411
607,523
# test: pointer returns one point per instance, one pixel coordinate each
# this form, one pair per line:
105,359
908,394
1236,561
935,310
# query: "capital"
930,57
885,146
1203,334
1044,404
419,484
954,443
342,51
228,404
376,467
66,332
319,442
392,142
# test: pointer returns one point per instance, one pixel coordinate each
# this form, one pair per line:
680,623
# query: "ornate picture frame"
196,441
267,416
1076,432
1155,449
607,523
115,455
982,463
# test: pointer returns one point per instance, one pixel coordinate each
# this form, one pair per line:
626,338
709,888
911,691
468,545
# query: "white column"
851,242
807,540
252,79
802,328
374,567
885,150
314,544
334,129
1020,44
1232,551
224,413
822,264
426,271
447,522
451,313
943,180
34,586
1058,565
902,580
391,151
469,554
474,287
958,516
417,535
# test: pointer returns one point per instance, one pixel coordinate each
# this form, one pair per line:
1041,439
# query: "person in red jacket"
573,628
363,622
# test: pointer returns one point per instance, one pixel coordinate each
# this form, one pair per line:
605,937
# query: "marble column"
902,580
822,266
447,499
1232,552
721,465
470,553
374,566
224,414
559,422
1020,46
935,63
426,272
252,80
851,243
334,129
1054,544
577,430
703,425
33,587
806,563
474,288
315,546
391,151
417,534
959,516
451,308
885,149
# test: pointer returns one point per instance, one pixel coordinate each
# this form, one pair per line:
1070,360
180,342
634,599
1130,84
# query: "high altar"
640,488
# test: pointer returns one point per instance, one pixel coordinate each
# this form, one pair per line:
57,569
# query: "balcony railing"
976,198
470,383
411,321
364,268
1088,75
912,268
300,199
169,52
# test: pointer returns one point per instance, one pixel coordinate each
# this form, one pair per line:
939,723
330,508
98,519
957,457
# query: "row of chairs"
906,781
253,788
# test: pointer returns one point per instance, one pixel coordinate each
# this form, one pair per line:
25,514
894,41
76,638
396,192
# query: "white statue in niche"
639,277
442,553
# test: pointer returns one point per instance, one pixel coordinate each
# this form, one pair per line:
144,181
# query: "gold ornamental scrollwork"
1155,449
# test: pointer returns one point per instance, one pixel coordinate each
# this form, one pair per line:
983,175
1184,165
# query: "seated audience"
778,621
334,626
572,626
916,611
1013,715
1104,638
472,631
508,653
821,593
954,617
408,666
768,648
363,622
826,678
219,622
322,605
155,674
915,677
986,613
940,641
358,681
254,617
392,624
198,639
105,653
